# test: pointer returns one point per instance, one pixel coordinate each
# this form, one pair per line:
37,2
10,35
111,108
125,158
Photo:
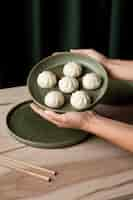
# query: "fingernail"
35,107
32,105
72,50
48,112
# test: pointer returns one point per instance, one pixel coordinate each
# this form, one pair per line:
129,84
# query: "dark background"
33,29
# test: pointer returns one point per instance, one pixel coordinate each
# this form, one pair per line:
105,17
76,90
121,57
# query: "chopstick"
19,166
31,165
46,178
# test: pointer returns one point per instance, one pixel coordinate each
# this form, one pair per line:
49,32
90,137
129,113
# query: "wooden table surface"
92,170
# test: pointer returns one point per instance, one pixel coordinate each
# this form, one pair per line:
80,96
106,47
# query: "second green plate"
29,128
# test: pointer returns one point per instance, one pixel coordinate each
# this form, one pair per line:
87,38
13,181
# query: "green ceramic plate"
55,63
29,128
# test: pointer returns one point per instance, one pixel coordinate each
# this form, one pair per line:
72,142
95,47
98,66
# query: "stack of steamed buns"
69,84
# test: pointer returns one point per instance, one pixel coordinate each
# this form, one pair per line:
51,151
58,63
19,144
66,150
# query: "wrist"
91,123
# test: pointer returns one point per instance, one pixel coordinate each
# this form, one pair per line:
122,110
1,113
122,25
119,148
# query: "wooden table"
92,170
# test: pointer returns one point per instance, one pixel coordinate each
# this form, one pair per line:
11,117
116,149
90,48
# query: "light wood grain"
94,169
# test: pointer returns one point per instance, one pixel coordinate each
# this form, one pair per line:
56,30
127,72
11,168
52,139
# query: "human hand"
77,120
99,57
92,53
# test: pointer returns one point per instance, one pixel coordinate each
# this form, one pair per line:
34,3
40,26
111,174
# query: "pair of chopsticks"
21,167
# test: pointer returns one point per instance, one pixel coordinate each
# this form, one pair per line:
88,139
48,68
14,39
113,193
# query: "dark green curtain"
33,29
121,40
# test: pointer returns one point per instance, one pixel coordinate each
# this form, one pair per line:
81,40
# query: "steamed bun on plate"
91,81
46,79
72,69
68,84
54,99
80,100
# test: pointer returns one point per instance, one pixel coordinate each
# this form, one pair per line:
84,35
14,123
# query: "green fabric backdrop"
33,29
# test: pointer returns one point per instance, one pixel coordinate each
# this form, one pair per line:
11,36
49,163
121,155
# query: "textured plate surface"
29,128
55,63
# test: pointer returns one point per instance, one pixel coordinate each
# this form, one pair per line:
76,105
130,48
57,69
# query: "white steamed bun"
80,100
46,79
91,81
54,99
68,84
72,69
